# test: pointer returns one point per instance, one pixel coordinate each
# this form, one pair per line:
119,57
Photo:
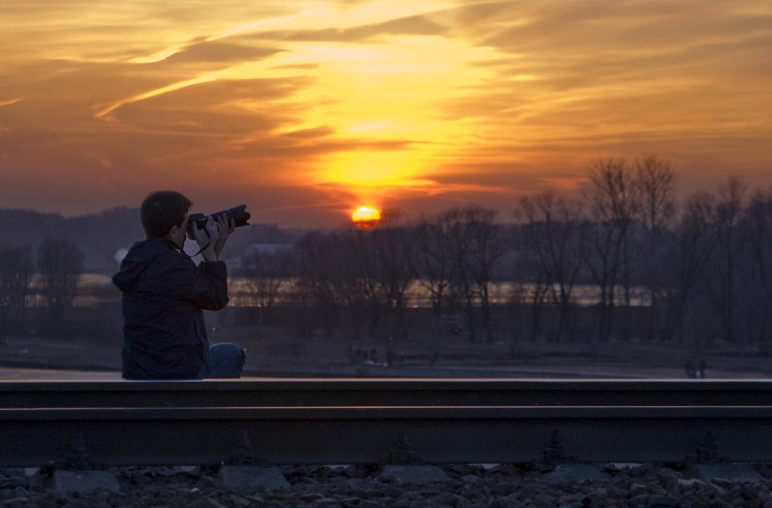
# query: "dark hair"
161,210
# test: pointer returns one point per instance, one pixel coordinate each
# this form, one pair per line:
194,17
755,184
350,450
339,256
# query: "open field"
274,351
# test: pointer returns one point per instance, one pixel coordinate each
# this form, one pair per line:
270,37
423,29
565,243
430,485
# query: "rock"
253,477
464,487
690,484
206,503
471,479
413,475
657,501
666,472
739,473
724,483
637,489
445,499
569,473
84,481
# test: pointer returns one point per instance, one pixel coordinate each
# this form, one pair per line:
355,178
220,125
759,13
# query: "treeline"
101,235
44,282
689,272
42,259
659,270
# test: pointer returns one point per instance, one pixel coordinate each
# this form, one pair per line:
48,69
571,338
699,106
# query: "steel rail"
389,392
364,421
361,435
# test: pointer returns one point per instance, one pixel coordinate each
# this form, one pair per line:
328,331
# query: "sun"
366,217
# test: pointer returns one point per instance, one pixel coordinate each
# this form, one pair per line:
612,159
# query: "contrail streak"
105,113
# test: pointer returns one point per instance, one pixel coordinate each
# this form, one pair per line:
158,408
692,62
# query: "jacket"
164,296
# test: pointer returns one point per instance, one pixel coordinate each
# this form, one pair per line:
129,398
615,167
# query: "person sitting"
164,295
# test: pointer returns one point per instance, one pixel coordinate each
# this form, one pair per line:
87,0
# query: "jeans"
223,361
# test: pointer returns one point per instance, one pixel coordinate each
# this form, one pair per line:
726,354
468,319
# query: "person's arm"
205,285
224,228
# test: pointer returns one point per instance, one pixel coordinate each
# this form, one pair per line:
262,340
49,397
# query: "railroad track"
347,421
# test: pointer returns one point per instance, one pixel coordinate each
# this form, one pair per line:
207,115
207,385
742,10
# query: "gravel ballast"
463,486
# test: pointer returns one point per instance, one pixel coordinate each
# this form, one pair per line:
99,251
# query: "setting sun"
366,216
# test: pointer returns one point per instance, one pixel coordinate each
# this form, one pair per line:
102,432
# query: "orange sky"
306,109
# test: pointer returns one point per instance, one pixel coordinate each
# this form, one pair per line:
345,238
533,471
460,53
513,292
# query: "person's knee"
235,354
226,360
239,358
240,355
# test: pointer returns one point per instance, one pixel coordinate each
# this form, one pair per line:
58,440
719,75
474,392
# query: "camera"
239,214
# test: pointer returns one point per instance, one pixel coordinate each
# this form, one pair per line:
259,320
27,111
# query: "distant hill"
99,235
102,235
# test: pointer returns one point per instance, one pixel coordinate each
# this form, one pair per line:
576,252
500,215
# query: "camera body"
239,215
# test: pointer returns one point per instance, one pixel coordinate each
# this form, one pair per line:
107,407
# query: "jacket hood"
137,259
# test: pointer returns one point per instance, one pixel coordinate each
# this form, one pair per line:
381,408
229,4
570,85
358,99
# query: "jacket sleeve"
205,286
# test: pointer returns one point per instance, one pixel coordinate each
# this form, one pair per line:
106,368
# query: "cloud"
315,132
10,102
213,106
219,52
412,25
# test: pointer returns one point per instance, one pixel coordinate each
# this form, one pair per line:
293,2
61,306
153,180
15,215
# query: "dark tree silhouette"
759,289
265,273
550,239
614,204
655,178
60,263
16,273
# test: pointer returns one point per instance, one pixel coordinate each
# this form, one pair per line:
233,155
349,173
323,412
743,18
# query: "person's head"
164,215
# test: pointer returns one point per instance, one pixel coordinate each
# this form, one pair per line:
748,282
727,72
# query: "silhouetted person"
165,294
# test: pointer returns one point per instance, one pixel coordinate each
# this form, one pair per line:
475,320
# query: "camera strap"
202,249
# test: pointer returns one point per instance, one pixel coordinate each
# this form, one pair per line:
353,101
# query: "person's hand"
224,228
206,238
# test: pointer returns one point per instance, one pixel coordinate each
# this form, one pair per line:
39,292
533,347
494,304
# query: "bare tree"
433,262
320,276
16,272
265,272
532,281
392,251
655,178
434,268
551,235
477,245
61,263
723,275
696,239
759,288
614,201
